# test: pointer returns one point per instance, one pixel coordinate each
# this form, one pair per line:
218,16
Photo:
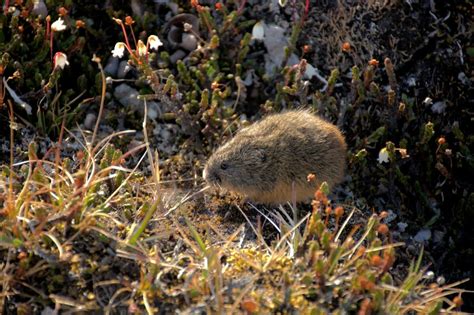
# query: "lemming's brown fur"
270,160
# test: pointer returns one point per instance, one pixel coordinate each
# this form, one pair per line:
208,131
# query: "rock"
40,9
189,42
402,226
411,81
423,236
463,78
154,110
127,95
440,280
275,42
123,69
177,55
174,7
248,80
438,107
429,275
176,33
274,6
89,121
112,66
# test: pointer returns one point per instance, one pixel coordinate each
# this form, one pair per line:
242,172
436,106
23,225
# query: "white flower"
258,31
118,50
154,42
141,48
282,3
58,25
60,60
428,101
383,156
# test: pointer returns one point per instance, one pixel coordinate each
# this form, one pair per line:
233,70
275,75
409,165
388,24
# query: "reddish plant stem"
133,36
305,13
6,5
49,36
126,37
241,7
127,43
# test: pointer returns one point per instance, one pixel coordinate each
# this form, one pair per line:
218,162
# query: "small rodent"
269,161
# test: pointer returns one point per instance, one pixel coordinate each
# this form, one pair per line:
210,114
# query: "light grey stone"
423,236
89,121
189,42
127,95
40,9
177,55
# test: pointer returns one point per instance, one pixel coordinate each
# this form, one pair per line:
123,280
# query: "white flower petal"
258,30
118,50
58,25
154,42
383,156
428,101
60,60
141,48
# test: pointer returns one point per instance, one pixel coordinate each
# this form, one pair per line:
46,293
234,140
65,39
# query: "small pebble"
153,110
429,275
440,280
89,121
127,95
112,66
40,9
174,7
423,236
123,69
402,226
177,55
463,78
189,42
438,107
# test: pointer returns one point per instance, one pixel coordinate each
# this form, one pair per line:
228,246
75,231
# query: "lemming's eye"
224,165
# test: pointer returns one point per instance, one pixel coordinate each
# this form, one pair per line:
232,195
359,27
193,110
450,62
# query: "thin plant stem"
102,98
133,35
